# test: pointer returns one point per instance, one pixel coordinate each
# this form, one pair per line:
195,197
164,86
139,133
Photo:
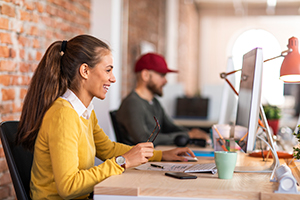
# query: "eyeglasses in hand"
157,126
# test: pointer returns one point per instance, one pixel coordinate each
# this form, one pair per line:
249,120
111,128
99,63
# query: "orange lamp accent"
290,68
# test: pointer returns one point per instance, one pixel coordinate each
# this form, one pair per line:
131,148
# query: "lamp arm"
232,87
281,55
223,75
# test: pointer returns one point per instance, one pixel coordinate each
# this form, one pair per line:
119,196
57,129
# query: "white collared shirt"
78,106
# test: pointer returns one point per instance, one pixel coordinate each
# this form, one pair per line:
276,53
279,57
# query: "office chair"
119,135
18,159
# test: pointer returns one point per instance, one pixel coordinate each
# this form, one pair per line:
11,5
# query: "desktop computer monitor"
249,108
249,100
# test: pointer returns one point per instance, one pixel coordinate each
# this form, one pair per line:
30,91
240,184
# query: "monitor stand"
270,143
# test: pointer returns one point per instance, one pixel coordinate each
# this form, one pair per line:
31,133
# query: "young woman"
59,125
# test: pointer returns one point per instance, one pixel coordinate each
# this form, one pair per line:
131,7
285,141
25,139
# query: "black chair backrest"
18,159
119,135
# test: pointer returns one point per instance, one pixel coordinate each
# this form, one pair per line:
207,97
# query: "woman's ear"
84,70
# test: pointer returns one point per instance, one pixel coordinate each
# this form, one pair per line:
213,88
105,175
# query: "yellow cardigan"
64,153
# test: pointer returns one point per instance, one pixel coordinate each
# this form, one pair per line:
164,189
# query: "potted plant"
273,114
296,150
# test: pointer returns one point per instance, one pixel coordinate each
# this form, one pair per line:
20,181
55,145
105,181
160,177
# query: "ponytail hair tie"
63,47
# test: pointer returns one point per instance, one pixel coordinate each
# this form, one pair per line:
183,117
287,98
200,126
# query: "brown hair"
54,74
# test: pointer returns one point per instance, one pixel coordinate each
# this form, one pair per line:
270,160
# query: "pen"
159,166
221,140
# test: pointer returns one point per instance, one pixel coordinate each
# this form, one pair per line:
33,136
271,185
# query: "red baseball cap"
152,61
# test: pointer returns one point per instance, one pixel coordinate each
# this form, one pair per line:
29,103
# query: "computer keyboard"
203,167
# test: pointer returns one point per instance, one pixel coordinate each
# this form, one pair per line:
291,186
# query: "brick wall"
146,22
27,28
188,47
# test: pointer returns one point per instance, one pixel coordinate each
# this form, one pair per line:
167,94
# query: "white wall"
217,36
218,33
173,89
106,25
172,18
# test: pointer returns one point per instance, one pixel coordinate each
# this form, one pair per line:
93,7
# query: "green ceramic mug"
225,162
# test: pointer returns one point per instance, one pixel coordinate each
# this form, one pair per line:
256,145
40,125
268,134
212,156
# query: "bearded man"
136,114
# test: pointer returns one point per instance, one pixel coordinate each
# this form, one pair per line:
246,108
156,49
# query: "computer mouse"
191,159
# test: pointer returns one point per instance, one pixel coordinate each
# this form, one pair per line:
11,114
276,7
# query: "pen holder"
229,144
220,132
222,144
222,140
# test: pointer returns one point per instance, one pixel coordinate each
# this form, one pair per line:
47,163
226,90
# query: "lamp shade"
290,68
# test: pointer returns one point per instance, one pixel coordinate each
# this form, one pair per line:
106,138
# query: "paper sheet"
173,167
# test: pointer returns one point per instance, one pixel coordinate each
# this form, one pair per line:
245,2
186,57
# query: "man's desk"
135,184
200,123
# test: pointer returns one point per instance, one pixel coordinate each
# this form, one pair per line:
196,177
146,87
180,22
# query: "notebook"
178,167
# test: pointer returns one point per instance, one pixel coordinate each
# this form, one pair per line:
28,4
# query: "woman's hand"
176,154
139,154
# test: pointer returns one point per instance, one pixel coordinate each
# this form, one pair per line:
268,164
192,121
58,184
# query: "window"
272,87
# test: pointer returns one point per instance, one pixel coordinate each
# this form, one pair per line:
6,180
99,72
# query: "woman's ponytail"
47,84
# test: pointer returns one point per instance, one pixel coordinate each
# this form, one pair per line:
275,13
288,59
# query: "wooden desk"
154,183
194,123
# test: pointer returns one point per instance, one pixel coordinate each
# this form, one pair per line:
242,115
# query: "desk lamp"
290,67
289,73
